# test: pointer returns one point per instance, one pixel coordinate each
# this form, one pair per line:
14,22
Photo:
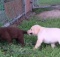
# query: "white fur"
46,35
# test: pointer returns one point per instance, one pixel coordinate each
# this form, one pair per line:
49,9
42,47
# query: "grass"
1,5
39,10
48,2
15,50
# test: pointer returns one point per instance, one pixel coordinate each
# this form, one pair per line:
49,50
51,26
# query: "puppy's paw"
34,48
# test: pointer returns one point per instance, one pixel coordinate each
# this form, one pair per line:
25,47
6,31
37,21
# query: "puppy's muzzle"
29,32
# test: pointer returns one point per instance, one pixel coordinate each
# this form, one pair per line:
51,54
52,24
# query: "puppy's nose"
31,33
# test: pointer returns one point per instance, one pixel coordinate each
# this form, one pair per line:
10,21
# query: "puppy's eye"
31,29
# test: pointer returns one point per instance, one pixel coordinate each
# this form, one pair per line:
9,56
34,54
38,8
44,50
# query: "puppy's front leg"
38,43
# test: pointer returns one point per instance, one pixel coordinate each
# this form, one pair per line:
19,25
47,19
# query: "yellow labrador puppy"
46,35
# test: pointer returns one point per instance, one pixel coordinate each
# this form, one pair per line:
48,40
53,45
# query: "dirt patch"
49,14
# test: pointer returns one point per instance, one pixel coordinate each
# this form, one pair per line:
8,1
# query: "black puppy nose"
31,33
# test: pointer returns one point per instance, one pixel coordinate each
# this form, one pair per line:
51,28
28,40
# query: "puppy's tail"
24,32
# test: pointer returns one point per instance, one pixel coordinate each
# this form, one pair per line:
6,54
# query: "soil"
49,14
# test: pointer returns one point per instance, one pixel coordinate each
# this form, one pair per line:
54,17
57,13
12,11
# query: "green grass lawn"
47,2
15,50
1,6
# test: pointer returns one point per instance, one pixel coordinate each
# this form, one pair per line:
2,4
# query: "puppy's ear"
38,29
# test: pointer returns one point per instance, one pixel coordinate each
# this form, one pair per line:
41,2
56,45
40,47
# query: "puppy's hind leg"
59,42
53,45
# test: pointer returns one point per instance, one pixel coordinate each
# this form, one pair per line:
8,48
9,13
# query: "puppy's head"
34,30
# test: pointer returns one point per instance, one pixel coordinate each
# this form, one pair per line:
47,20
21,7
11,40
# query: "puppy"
10,33
46,35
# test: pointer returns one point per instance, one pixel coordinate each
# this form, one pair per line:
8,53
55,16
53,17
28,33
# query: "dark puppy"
9,33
